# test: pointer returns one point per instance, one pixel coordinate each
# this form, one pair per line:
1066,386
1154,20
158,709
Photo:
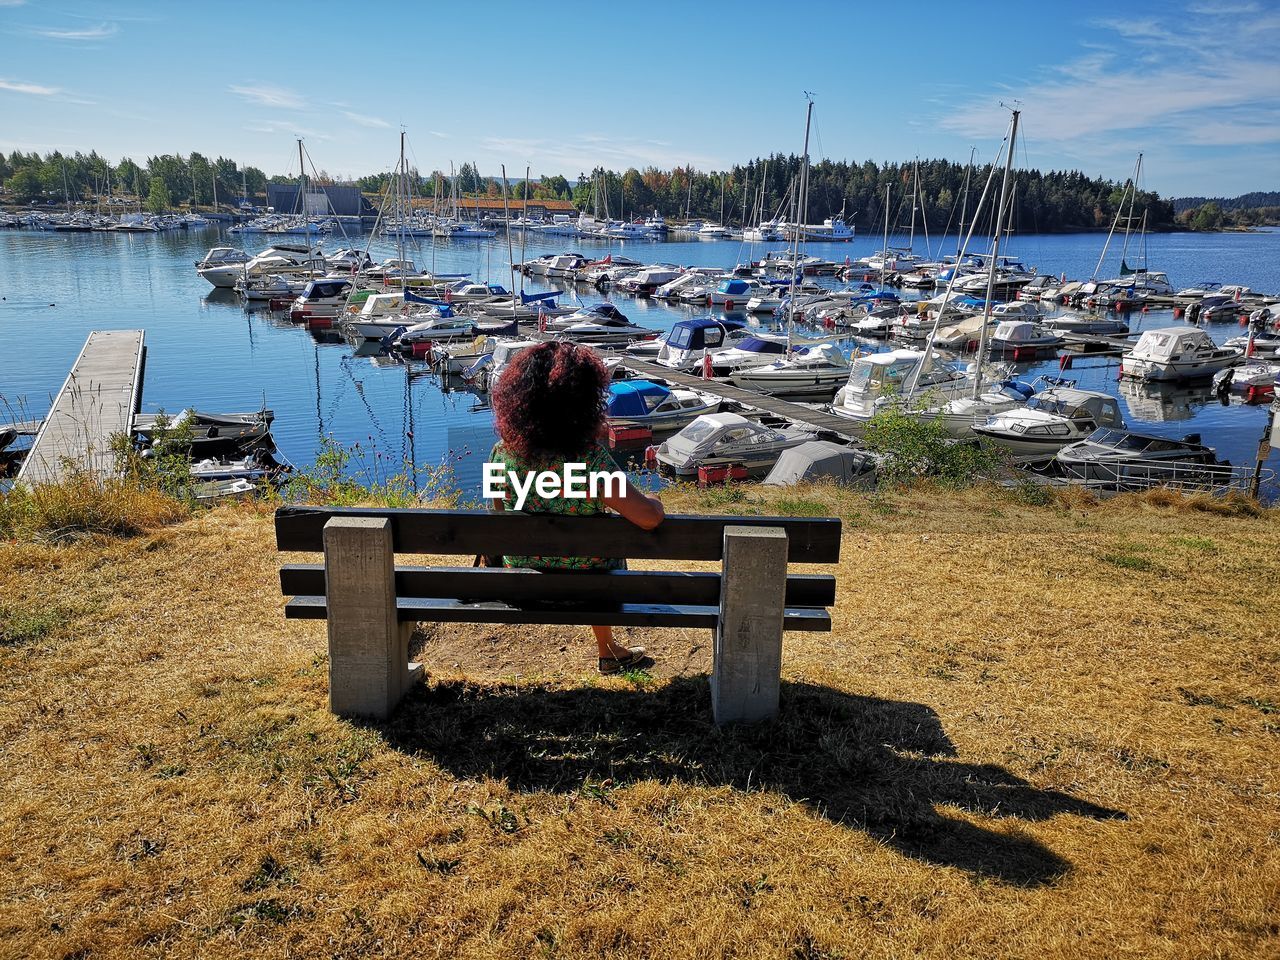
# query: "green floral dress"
597,459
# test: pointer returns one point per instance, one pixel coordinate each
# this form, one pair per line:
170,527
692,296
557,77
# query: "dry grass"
84,504
1039,731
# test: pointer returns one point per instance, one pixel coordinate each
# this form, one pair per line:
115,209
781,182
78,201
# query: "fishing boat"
809,371
728,440
644,403
1176,353
1053,418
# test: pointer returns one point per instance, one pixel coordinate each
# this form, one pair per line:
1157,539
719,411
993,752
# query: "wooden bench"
371,604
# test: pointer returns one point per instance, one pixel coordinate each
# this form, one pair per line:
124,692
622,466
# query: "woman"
549,410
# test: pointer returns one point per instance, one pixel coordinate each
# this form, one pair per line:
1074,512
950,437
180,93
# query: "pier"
98,401
796,412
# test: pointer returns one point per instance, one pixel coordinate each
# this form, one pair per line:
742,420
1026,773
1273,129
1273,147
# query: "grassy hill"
1038,731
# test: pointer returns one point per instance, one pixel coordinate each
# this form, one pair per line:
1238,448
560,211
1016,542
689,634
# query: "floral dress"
597,459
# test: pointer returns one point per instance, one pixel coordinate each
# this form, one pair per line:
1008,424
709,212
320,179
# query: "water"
205,350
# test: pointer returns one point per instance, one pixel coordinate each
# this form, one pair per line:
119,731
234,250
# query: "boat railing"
1184,476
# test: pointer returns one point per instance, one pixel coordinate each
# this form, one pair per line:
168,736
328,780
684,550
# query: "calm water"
205,350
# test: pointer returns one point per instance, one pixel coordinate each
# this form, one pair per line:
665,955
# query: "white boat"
814,370
1072,321
643,403
831,229
1253,376
222,265
728,440
878,380
713,231
602,323
689,340
1176,353
756,350
1022,336
442,325
1050,420
768,231
646,281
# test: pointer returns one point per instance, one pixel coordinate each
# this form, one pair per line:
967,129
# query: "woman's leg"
606,644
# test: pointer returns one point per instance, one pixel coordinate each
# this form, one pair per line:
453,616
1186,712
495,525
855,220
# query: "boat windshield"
699,431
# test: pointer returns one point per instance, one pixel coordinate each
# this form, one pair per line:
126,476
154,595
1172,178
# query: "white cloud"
97,32
270,96
1130,83
364,121
34,89
584,151
12,3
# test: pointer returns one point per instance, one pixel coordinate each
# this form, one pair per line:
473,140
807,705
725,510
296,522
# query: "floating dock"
98,401
796,412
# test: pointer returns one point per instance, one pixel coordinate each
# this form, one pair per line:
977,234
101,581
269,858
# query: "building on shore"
339,200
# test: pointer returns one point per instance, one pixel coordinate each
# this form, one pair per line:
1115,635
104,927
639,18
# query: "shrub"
914,447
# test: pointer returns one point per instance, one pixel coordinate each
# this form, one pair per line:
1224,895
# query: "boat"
1095,324
1121,459
1176,353
878,380
1054,417
440,323
818,369
222,265
1253,377
646,281
713,231
689,340
644,403
755,350
1265,343
322,297
824,460
733,292
205,433
601,324
258,465
728,440
831,229
1021,336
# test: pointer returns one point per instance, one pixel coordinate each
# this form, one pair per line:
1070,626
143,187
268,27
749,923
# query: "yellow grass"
1038,731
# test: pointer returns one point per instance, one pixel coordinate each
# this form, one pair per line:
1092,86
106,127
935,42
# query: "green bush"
913,447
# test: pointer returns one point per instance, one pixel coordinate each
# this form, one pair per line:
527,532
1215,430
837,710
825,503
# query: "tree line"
934,193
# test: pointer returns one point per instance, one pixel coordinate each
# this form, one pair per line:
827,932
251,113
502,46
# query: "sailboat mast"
964,204
995,257
795,243
400,218
1128,221
884,254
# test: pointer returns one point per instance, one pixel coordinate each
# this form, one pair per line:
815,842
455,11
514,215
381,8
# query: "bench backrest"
468,532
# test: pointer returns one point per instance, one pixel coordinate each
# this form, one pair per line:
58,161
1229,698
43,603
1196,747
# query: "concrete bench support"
369,669
746,670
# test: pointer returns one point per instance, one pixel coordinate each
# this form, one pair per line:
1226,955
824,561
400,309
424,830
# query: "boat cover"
822,460
634,398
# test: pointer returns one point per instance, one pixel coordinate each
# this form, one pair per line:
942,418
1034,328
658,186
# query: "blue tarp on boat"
634,398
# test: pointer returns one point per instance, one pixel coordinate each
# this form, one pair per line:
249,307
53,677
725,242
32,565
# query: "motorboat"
1051,419
713,231
439,323
1022,336
553,265
689,340
1094,324
222,265
1255,377
813,370
1176,353
602,323
205,433
831,229
767,231
1145,282
1118,458
824,460
728,440
258,465
323,297
734,292
756,350
1265,343
644,403
878,380
646,281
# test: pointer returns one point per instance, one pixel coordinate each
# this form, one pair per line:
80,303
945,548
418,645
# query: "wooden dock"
796,412
98,401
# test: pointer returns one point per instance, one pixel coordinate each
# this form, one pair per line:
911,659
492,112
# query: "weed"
800,507
19,627
1203,544
1127,561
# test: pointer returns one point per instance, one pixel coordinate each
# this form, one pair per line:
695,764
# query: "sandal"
635,657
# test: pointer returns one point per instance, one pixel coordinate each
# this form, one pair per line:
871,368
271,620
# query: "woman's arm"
644,511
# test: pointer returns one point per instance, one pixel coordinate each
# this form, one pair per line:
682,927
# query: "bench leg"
746,667
369,667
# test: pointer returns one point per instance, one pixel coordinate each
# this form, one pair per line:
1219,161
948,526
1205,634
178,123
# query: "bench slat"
621,615
810,539
522,586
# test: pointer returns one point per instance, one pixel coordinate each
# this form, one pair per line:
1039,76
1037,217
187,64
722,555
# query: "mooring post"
369,668
746,669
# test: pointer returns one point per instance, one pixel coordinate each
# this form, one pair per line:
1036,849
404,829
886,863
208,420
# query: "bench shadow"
880,766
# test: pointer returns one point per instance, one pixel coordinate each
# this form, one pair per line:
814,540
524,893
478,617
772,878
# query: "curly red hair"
550,401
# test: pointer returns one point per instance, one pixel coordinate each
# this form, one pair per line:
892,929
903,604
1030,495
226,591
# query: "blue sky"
564,87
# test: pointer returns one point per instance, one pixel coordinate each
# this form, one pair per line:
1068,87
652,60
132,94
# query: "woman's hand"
644,511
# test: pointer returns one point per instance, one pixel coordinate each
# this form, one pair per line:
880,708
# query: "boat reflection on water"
1158,402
